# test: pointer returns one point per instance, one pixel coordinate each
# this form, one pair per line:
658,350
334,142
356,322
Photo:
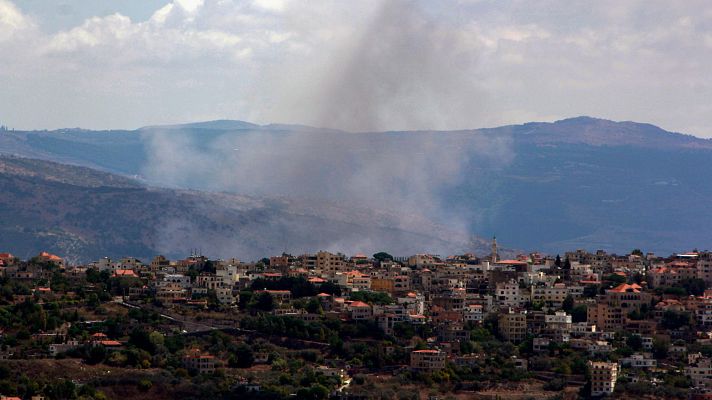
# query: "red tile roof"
50,256
127,273
511,262
624,287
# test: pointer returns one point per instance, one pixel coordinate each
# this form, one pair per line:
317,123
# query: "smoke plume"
403,70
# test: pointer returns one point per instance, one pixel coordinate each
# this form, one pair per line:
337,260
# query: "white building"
639,360
700,372
178,279
510,294
473,313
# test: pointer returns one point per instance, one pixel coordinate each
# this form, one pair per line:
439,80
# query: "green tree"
382,256
243,356
568,303
579,313
263,301
635,342
660,348
674,320
694,286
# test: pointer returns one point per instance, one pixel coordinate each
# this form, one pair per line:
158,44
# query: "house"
124,273
359,310
332,372
540,344
599,347
196,360
51,258
56,348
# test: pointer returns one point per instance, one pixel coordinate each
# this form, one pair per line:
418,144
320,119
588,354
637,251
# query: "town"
325,325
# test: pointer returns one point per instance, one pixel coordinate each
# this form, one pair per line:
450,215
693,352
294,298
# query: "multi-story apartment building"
560,322
451,300
603,377
329,264
704,268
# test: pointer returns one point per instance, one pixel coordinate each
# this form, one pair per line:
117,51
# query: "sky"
359,66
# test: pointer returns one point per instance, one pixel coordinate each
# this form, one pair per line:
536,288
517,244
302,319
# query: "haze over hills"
85,214
580,182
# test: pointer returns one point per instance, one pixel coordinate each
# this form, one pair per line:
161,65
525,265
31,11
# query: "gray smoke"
405,72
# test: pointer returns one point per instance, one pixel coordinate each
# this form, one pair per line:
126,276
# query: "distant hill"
222,124
85,214
579,182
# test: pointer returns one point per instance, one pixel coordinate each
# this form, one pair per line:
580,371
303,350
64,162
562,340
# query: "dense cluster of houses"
530,297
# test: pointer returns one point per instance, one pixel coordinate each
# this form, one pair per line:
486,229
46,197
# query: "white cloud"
190,6
272,5
12,20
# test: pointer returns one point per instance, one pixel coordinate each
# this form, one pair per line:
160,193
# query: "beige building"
329,264
358,281
612,309
704,268
671,274
603,377
427,360
513,326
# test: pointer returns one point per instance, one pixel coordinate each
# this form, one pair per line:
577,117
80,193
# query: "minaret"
494,249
